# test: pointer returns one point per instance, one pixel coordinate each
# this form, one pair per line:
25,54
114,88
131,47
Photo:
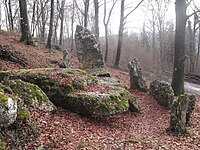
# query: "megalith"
162,92
180,114
135,72
88,49
65,62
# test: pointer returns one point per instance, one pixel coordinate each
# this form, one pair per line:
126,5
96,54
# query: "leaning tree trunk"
50,26
120,36
179,57
25,31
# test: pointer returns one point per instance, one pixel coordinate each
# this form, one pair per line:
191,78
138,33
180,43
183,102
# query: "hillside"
67,130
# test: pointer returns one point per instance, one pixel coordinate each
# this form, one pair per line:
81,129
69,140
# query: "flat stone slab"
78,91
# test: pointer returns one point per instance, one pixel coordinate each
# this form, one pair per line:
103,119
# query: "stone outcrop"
88,48
162,92
78,91
181,110
8,109
31,94
191,106
135,72
65,62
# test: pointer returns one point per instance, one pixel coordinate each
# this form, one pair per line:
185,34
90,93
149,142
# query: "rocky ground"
67,130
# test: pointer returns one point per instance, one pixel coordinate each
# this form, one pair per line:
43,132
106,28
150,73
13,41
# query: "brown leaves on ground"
145,130
66,130
37,56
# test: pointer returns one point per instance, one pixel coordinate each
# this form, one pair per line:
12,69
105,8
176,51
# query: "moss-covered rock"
76,90
101,104
178,114
162,92
2,145
31,94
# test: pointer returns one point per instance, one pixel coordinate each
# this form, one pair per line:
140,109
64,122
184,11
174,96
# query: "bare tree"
62,10
85,11
179,54
123,17
106,22
25,31
96,8
49,44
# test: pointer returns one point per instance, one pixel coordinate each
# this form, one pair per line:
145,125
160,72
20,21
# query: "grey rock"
162,92
88,48
135,72
8,109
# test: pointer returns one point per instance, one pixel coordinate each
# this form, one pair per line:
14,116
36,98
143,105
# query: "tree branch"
133,9
192,14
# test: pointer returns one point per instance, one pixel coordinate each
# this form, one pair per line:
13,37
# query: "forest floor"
128,131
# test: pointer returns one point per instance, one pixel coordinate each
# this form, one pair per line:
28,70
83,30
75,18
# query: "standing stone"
181,110
178,115
191,106
88,49
65,62
135,72
162,92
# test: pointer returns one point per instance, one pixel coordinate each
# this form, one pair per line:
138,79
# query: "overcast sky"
136,19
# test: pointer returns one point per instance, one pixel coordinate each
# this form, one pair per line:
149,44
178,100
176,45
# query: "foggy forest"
99,74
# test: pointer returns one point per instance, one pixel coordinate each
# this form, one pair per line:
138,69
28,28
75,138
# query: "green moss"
67,88
2,145
29,92
82,145
80,103
5,89
23,114
4,100
81,83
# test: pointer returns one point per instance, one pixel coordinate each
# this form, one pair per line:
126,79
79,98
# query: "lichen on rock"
136,79
31,94
72,89
162,92
88,48
8,109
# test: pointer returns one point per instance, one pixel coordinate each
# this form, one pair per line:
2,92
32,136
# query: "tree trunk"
120,36
43,21
179,55
10,15
106,46
72,27
49,44
198,51
0,15
25,31
96,8
62,22
86,13
33,18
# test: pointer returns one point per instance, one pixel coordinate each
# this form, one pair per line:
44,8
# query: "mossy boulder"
100,104
77,90
31,94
